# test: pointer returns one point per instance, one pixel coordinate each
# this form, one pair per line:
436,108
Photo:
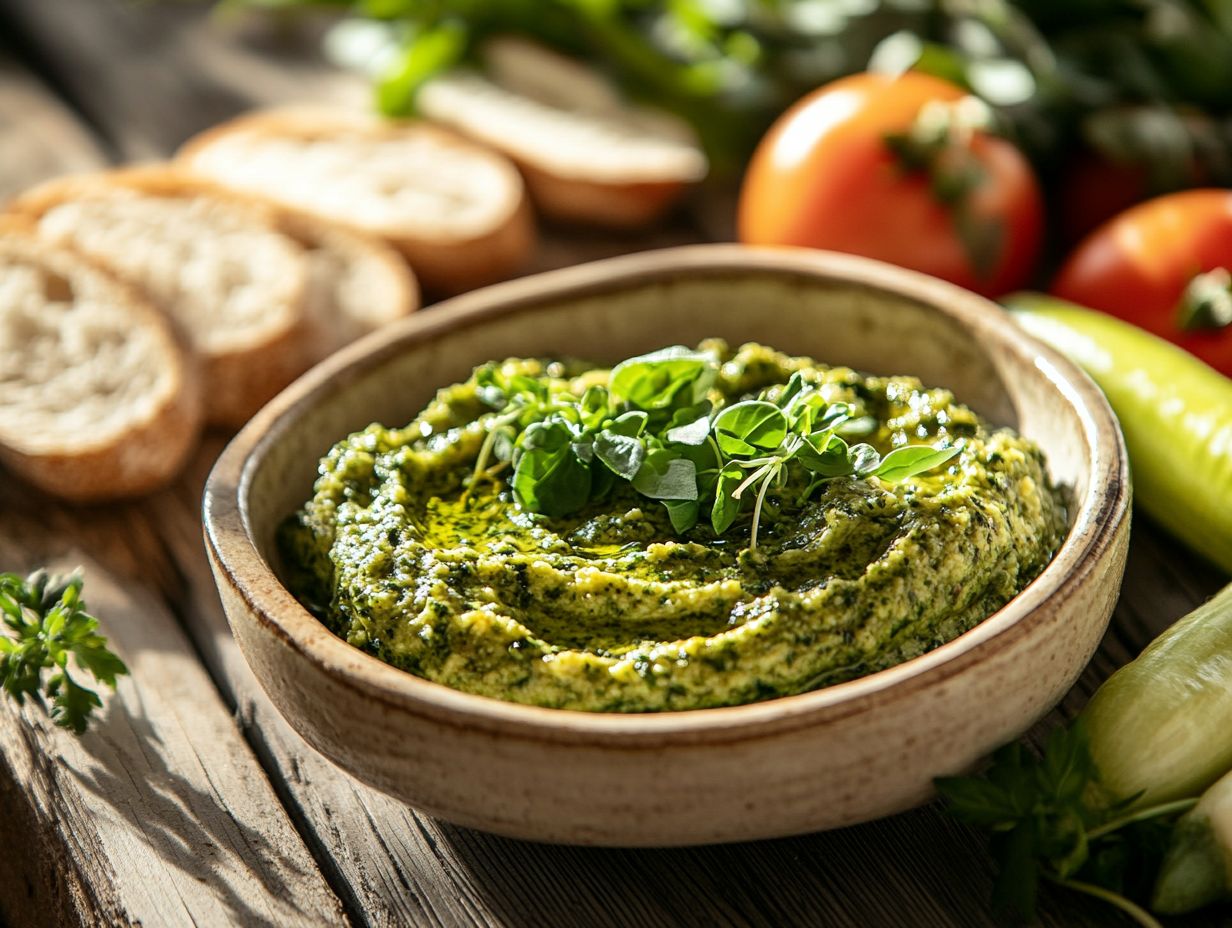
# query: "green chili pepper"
1175,411
1160,728
1197,869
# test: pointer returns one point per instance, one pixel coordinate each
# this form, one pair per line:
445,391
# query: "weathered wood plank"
159,814
394,866
150,75
38,138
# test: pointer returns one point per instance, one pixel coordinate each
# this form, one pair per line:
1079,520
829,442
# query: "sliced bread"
356,281
458,212
587,156
97,400
230,279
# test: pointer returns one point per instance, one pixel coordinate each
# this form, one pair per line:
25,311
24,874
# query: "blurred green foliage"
1141,81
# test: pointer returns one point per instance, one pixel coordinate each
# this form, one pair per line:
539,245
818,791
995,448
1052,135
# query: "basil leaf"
585,450
593,407
753,424
725,509
601,482
902,463
834,415
669,377
631,423
864,459
683,513
665,475
552,482
690,426
546,434
549,478
795,386
802,420
833,460
621,454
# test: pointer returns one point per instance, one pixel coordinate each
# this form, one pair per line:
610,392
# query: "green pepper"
1175,412
1160,728
1197,868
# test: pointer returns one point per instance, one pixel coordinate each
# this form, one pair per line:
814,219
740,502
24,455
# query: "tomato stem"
938,145
1207,302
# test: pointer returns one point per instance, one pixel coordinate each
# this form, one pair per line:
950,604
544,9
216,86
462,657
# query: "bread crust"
447,264
619,193
400,297
624,207
237,381
152,449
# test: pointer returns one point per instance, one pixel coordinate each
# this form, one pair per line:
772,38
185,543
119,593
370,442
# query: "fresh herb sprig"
654,426
47,623
1049,821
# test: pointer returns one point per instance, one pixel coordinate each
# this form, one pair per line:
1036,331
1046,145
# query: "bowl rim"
238,562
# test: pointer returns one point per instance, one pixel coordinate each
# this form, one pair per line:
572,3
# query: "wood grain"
159,814
148,76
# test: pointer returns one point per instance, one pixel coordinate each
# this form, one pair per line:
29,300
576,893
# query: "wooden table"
191,802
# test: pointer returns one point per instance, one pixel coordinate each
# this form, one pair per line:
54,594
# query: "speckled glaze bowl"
832,757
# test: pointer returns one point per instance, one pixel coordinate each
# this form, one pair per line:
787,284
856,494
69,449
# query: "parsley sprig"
654,426
1049,821
47,623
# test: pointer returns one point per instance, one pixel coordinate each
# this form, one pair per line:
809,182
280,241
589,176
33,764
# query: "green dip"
609,610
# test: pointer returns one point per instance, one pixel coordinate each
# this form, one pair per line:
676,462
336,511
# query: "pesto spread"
618,605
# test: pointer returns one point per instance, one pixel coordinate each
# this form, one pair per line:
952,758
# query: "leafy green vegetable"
749,427
662,379
902,463
1144,82
666,476
655,427
1049,821
549,474
623,454
47,624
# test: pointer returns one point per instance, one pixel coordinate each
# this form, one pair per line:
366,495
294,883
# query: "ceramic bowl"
832,757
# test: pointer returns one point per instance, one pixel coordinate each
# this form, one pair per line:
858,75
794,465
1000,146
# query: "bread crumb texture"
77,364
218,269
412,181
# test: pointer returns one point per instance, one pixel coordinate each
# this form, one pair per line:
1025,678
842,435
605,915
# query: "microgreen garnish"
1048,821
47,623
655,427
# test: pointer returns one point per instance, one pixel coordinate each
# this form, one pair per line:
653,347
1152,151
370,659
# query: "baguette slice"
586,155
97,400
458,212
233,283
356,281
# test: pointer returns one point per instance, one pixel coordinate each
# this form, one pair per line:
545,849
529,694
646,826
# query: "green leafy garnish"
655,426
47,622
657,380
1049,821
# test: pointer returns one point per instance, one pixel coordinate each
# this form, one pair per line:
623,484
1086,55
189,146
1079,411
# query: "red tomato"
825,177
1138,266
